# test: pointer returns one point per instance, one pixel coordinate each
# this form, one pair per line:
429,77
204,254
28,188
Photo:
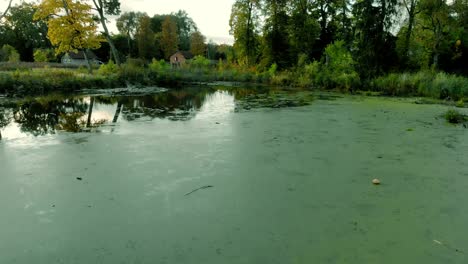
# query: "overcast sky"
211,16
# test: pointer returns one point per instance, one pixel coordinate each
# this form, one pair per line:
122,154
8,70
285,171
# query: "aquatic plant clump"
455,117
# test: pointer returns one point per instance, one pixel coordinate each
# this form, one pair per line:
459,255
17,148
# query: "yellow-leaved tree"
71,26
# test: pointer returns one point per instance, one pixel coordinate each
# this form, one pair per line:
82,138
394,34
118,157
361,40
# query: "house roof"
187,54
80,55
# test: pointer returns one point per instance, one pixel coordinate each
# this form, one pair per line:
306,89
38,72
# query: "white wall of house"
67,60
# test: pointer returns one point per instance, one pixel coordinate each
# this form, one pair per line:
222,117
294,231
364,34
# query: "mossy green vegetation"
42,81
425,83
274,99
455,117
460,103
337,72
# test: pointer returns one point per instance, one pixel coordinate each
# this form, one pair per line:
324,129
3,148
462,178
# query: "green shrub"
158,66
108,69
347,81
455,117
139,63
200,62
6,82
460,103
272,70
222,66
132,73
40,56
43,55
283,78
338,68
9,53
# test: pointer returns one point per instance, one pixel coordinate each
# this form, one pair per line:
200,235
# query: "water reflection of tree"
46,115
173,105
5,119
38,117
111,101
74,121
241,93
117,112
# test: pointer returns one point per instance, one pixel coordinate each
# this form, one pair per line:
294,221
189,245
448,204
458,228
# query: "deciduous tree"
26,33
374,44
197,44
71,25
436,20
303,28
127,24
244,25
169,37
185,27
145,38
276,47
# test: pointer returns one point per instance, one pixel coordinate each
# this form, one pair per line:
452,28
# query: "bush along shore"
37,81
339,76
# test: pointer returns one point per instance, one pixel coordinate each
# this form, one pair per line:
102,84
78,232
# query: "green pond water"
109,179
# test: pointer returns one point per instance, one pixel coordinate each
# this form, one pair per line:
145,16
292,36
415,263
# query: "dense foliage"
395,47
382,35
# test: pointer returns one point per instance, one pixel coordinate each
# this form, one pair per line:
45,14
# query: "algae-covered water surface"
231,176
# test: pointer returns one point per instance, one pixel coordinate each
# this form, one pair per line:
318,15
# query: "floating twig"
201,188
448,246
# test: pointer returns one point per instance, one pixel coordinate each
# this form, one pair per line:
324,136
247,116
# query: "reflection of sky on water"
13,133
216,106
101,112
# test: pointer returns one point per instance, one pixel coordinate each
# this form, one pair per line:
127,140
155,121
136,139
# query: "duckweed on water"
309,167
274,100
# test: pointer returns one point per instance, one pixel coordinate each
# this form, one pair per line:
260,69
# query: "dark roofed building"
78,58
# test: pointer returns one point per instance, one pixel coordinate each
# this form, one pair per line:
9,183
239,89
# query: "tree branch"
98,7
6,10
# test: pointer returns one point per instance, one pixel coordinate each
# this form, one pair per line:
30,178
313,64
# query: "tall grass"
40,81
313,75
437,85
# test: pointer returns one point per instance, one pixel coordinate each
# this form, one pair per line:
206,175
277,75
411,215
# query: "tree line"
38,32
381,35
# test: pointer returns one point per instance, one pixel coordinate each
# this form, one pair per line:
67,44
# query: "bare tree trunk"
88,63
438,38
436,61
411,9
408,35
114,51
129,44
249,49
99,7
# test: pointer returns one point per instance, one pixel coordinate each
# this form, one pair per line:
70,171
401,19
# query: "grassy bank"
428,84
33,81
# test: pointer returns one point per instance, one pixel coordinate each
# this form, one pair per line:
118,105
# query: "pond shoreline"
77,112
135,90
